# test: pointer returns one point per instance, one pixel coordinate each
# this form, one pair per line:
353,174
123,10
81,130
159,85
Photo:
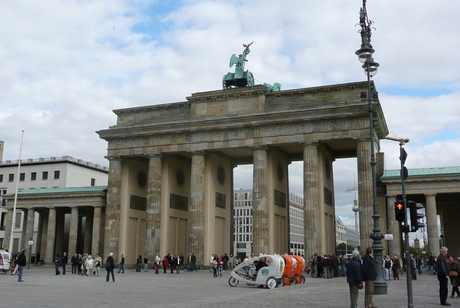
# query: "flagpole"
13,223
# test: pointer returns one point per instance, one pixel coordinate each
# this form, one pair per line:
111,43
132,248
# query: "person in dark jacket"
354,278
109,266
22,262
443,275
369,274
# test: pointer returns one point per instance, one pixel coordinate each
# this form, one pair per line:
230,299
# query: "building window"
93,182
11,177
17,223
22,176
1,177
45,175
33,176
57,174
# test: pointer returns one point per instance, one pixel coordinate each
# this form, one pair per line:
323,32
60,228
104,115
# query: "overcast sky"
65,65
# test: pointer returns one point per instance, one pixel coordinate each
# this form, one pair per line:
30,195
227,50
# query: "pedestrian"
89,266
64,262
354,278
97,265
146,264
122,264
138,263
74,263
412,267
443,275
22,262
396,267
189,263
109,266
157,263
387,265
369,274
431,263
57,263
179,263
165,264
454,271
220,266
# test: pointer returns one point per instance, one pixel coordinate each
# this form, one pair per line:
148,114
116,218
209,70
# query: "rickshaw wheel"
233,282
271,283
281,282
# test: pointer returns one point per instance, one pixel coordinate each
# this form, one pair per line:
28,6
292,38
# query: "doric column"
260,202
73,231
50,235
394,246
112,220
365,196
152,237
87,246
95,246
432,223
313,213
197,206
29,225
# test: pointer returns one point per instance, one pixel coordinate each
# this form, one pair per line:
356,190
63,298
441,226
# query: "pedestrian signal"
400,211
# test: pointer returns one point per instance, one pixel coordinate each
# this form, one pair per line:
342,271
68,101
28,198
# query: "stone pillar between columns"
153,220
260,202
197,206
432,223
394,246
73,231
313,212
50,236
95,246
8,225
29,225
87,246
112,221
365,196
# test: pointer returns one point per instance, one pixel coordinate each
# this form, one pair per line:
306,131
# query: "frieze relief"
273,130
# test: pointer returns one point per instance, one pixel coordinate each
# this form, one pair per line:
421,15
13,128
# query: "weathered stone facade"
190,141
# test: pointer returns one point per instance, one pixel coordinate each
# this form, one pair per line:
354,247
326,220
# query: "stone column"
432,223
394,246
50,236
95,246
365,197
260,202
153,220
197,206
29,225
112,221
73,231
87,246
313,213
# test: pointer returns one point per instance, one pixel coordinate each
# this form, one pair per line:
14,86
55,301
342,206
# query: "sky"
65,65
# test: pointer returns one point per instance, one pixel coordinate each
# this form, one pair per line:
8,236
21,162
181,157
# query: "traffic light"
400,211
415,224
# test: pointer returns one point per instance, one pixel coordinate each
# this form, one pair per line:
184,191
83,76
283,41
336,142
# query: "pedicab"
4,261
269,273
289,270
300,270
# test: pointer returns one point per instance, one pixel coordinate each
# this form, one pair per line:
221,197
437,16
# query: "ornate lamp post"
370,68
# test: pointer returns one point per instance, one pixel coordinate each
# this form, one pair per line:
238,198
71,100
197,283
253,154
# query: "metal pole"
13,223
380,286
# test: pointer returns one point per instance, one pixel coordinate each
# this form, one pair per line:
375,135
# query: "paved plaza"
42,288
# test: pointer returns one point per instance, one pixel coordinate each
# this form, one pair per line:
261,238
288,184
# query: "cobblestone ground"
41,288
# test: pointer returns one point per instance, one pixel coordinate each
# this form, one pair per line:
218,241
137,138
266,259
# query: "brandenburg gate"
171,168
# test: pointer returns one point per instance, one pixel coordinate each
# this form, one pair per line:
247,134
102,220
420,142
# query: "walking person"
21,262
64,262
454,272
354,278
74,263
146,264
122,264
57,263
396,267
89,266
387,265
157,263
443,275
369,274
109,266
165,264
97,265
138,263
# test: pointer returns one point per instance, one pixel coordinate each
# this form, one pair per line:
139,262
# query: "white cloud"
67,64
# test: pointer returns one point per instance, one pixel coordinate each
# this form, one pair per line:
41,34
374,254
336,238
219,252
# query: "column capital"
155,155
430,195
113,157
198,152
259,147
310,143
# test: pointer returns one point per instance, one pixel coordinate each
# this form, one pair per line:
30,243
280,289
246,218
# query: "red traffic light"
400,211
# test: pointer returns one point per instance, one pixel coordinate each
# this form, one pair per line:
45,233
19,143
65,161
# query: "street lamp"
365,56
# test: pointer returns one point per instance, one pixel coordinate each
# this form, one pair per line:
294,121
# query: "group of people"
328,266
359,271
